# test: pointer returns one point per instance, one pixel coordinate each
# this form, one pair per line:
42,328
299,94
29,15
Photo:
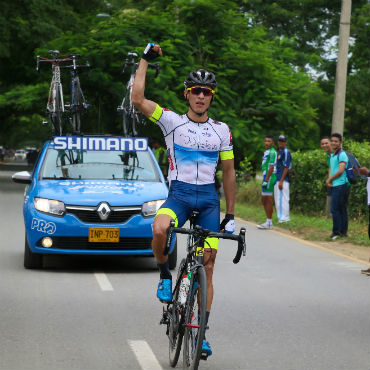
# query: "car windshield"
105,165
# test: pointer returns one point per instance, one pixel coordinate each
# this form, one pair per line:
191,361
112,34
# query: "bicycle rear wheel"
176,320
195,320
56,116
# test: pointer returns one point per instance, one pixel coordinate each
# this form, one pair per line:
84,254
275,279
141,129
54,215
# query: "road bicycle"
55,105
130,116
185,316
78,104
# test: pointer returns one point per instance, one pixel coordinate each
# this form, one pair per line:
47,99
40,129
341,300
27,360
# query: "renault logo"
103,211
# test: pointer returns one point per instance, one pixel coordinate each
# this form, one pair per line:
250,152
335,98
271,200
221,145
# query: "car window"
106,165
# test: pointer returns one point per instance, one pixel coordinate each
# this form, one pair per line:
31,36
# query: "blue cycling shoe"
164,291
206,348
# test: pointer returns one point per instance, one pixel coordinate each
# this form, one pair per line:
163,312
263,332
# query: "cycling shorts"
184,198
269,188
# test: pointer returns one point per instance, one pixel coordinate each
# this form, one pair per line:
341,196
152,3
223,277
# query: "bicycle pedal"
164,321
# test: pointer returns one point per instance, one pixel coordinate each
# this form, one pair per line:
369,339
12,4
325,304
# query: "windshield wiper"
59,178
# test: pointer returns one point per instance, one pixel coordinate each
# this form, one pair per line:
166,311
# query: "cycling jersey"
193,147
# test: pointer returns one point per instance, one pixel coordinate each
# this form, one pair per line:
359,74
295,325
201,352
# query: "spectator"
338,182
161,156
268,180
281,189
364,171
326,147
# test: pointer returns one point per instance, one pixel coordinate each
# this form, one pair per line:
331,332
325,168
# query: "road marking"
103,281
144,355
309,243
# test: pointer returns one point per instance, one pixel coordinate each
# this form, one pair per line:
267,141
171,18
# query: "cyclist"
194,142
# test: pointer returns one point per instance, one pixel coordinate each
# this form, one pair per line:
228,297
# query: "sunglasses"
196,90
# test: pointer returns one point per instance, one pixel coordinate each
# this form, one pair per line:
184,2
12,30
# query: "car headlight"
151,208
51,206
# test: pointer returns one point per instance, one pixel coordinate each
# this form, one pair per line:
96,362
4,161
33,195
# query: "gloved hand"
228,224
149,54
265,183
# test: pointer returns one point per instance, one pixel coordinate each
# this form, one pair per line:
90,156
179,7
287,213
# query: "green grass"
317,228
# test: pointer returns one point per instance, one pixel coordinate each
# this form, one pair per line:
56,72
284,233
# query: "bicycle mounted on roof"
185,316
55,107
130,116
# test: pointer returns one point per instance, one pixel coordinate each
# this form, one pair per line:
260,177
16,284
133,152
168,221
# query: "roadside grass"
316,228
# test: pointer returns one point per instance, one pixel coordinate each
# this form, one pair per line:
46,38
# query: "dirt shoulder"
358,252
351,250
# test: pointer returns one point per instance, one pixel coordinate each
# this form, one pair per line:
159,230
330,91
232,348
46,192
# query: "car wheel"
172,258
31,260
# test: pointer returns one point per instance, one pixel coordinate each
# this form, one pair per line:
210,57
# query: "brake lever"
242,236
169,237
156,70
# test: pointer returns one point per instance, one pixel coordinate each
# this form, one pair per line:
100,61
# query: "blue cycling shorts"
184,198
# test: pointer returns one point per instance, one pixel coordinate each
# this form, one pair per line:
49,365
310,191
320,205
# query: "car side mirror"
23,177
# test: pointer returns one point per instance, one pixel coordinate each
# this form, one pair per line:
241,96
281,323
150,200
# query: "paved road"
287,306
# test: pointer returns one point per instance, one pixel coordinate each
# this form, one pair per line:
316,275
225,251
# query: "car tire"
31,260
172,258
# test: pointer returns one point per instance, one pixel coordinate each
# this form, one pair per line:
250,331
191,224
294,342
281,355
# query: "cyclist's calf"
160,226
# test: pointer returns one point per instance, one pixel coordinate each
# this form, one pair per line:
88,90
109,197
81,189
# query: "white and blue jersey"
284,160
193,147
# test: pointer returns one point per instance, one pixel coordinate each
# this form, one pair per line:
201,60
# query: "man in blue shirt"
339,184
281,189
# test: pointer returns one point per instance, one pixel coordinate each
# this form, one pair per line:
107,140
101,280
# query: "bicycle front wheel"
176,321
195,320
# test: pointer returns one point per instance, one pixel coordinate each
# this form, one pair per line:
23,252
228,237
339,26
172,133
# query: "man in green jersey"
268,181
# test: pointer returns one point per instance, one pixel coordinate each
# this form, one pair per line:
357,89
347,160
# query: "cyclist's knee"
160,226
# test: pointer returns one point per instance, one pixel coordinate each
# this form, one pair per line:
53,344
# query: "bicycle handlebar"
203,233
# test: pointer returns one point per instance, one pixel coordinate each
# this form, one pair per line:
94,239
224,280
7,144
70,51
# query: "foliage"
308,189
259,51
259,89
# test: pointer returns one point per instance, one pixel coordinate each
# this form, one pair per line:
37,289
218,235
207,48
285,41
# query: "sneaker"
206,349
334,236
264,226
164,291
366,272
284,220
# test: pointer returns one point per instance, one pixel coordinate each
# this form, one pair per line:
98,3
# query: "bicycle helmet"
201,77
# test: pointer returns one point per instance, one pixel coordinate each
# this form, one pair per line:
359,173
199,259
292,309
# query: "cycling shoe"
164,291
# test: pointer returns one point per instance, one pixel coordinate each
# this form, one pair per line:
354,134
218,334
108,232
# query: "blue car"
93,202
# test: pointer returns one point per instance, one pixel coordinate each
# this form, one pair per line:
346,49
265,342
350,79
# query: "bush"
249,192
308,189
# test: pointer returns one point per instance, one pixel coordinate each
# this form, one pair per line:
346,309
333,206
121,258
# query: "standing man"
281,189
338,182
268,180
194,144
326,147
365,172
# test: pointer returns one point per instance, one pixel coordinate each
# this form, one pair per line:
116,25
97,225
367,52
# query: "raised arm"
146,106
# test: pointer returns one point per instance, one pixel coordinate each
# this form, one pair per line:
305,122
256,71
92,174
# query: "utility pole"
341,74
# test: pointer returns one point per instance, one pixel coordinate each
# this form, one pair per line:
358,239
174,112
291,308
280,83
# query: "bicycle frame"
55,85
78,103
55,104
182,324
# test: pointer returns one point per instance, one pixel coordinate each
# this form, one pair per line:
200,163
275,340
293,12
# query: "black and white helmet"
201,77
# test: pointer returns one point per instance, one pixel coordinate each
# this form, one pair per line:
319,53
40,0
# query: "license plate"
104,234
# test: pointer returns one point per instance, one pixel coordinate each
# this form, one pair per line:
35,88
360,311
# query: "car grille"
62,242
90,216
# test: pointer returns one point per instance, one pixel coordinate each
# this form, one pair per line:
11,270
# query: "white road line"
144,355
103,281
